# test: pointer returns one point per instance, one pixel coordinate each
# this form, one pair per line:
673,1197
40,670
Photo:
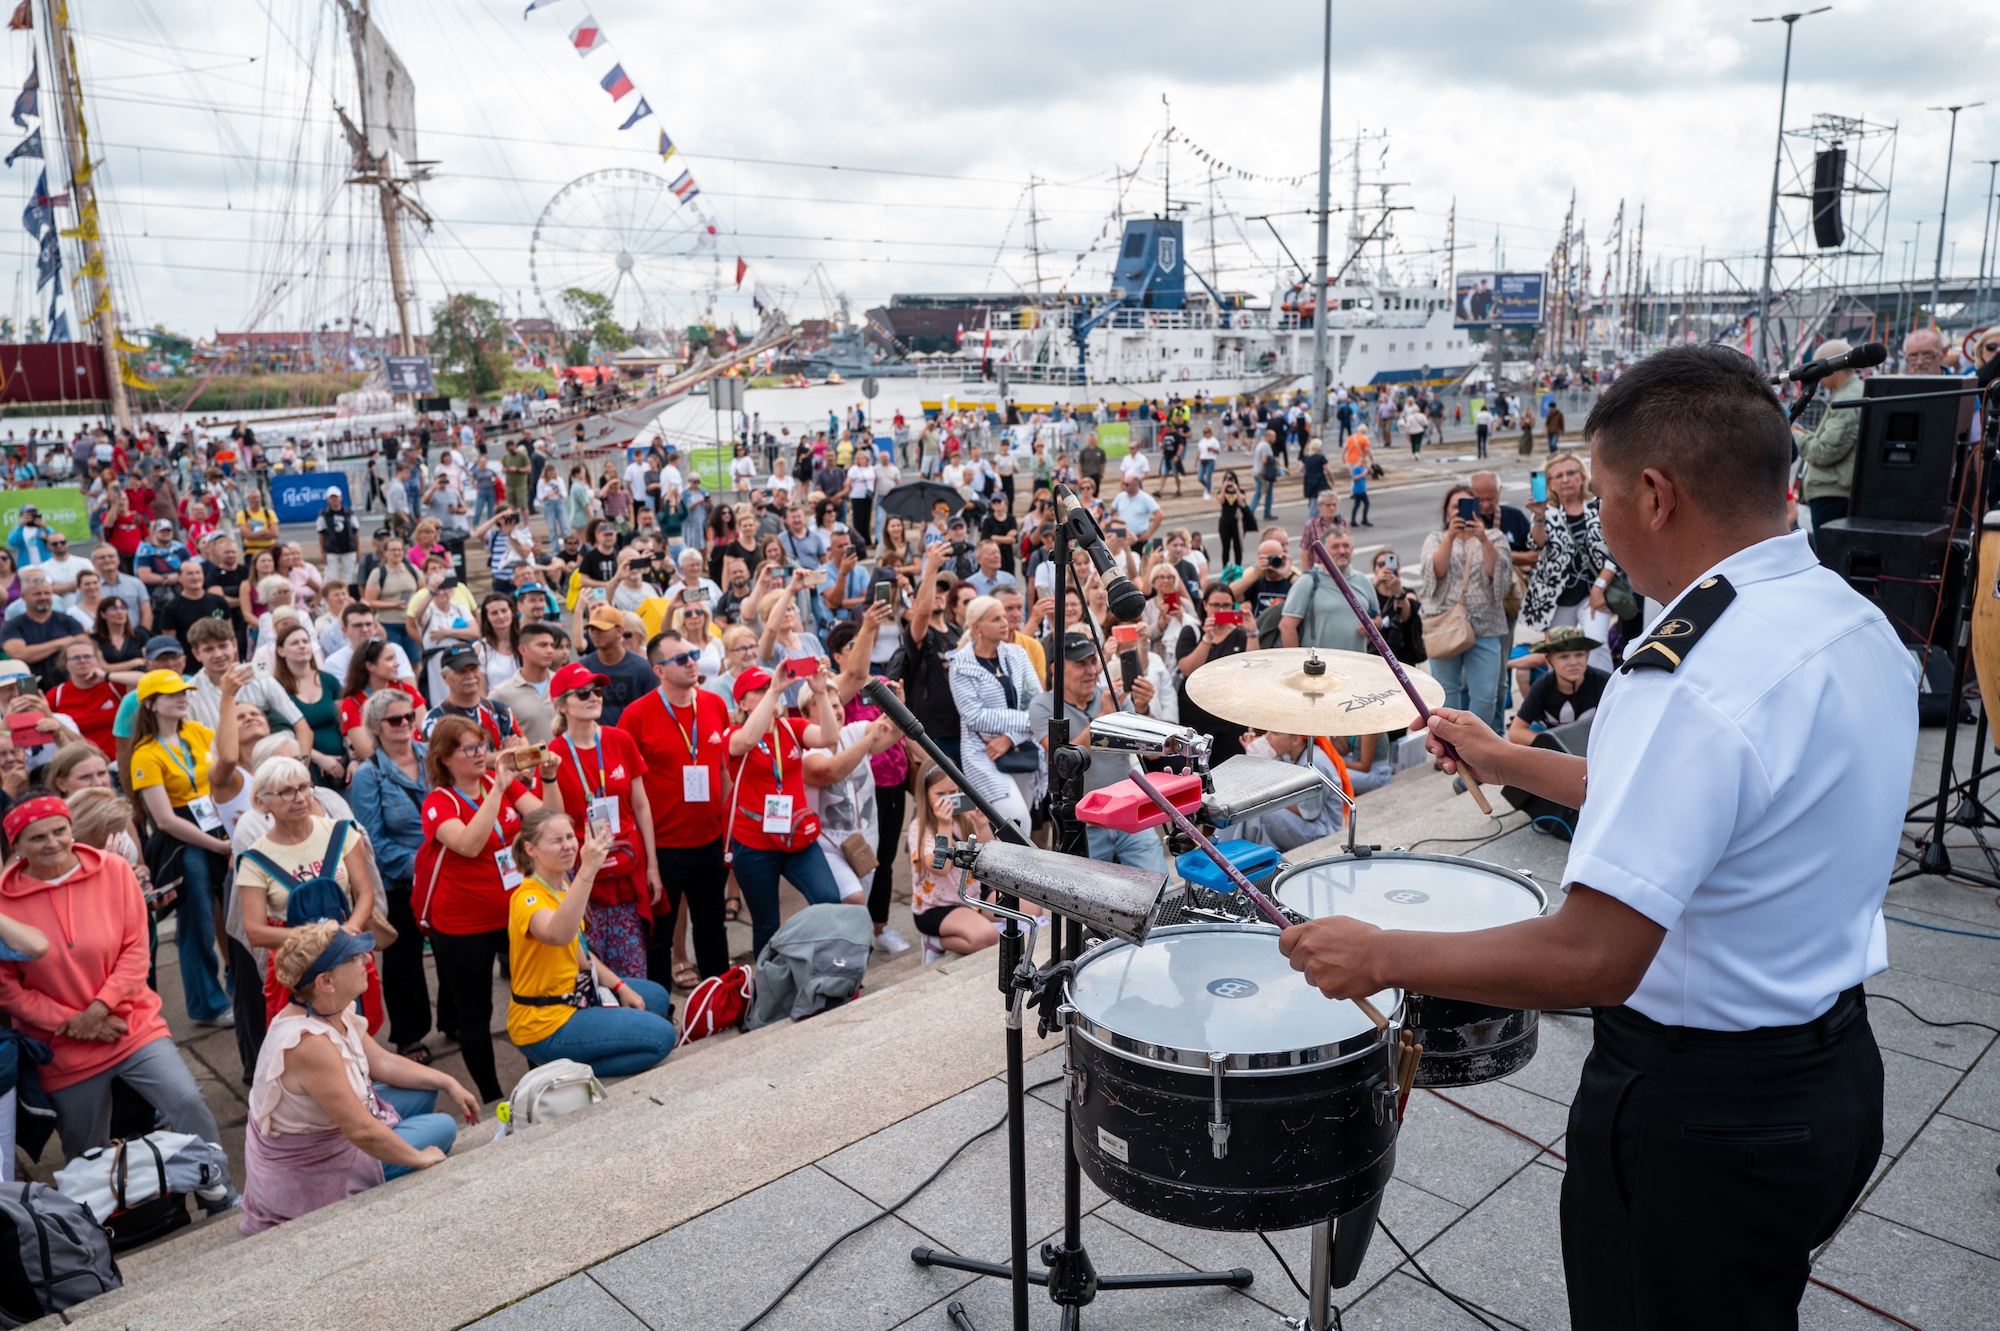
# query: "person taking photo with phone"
773,832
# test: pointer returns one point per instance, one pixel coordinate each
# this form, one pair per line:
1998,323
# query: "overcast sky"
891,144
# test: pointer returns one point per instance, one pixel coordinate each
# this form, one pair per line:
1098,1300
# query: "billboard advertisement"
62,508
1480,300
299,497
409,374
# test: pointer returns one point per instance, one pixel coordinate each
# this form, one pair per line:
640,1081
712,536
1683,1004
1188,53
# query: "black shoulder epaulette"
1673,638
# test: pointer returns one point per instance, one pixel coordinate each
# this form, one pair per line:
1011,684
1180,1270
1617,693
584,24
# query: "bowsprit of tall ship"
1148,332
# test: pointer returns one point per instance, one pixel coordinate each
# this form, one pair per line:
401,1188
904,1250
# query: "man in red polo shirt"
88,697
678,728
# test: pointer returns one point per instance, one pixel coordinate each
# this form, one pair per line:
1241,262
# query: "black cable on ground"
1885,998
1285,1266
1500,830
1409,1256
885,1212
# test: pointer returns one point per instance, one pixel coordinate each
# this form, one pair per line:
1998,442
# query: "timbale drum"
1464,1043
1213,1087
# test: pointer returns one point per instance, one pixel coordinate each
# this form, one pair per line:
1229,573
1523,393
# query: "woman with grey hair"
389,791
282,879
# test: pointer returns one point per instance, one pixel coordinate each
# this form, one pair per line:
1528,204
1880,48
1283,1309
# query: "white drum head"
1428,893
1222,988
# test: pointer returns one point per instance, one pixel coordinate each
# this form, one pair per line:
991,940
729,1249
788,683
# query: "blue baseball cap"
160,646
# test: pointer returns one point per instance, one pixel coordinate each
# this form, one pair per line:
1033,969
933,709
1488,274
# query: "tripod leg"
959,1320
1017,1173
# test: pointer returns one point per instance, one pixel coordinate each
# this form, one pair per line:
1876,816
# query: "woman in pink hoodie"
88,998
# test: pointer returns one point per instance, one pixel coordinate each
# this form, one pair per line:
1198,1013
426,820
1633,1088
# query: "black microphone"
1126,602
1863,357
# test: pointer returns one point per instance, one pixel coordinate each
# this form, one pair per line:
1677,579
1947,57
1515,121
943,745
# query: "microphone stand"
1071,1279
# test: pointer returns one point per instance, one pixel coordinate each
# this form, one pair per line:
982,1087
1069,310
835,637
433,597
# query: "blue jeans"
757,873
194,924
557,518
1472,681
422,1125
482,502
616,1042
1140,850
1207,473
1265,492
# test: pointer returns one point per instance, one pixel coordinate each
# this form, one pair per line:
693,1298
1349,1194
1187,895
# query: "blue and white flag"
28,147
48,265
639,112
58,321
35,217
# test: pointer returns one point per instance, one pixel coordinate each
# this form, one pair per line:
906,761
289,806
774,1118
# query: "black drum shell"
1466,1044
1306,1144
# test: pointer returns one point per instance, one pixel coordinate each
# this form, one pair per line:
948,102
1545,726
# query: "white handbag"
552,1090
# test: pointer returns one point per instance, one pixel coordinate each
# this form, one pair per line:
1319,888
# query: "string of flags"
1208,158
586,39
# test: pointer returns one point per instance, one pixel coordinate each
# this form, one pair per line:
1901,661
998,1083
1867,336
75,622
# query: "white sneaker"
891,942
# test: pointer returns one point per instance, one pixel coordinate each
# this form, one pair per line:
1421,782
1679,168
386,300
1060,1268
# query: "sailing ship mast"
376,81
83,199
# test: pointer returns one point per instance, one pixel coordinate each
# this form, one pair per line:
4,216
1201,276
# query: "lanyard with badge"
694,777
777,808
200,807
603,808
503,855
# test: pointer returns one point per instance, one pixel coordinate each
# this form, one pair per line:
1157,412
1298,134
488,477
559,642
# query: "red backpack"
716,1004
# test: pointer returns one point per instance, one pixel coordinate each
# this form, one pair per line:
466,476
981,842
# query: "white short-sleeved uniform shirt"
1134,464
1750,801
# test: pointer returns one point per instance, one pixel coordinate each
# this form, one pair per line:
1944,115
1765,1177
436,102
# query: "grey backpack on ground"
815,961
53,1254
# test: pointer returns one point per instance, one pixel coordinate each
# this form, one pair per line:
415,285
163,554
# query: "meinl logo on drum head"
1232,988
1407,896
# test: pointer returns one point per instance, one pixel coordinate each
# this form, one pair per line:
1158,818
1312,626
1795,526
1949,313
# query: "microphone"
1126,602
1863,357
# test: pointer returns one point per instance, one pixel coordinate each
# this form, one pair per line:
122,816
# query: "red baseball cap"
756,677
575,675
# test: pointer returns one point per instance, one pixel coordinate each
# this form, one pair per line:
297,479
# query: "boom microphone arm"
1124,599
884,697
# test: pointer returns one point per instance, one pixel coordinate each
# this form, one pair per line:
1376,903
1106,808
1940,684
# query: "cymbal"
1356,693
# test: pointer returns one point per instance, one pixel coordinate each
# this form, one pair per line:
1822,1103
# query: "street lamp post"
1951,146
1319,394
1985,233
1777,166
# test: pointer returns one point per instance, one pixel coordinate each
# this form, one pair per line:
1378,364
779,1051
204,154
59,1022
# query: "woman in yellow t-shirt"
556,1012
171,758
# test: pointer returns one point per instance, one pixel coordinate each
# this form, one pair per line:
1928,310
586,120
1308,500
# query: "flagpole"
83,199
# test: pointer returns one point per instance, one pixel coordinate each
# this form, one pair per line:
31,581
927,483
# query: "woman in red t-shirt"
598,770
773,832
466,872
372,667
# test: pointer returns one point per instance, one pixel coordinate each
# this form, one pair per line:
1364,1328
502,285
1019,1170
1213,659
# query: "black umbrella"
916,501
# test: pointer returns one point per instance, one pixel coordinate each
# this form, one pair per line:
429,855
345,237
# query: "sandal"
417,1053
685,976
732,909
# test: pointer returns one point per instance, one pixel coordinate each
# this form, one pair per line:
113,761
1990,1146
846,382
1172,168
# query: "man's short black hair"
663,635
1707,417
540,629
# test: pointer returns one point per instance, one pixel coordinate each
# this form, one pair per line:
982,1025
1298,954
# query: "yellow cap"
155,682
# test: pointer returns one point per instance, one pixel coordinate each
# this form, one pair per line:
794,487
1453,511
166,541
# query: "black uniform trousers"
1705,1167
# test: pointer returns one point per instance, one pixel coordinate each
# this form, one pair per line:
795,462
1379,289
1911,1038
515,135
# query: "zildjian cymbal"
1303,691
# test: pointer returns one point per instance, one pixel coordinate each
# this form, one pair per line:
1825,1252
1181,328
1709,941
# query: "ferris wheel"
623,234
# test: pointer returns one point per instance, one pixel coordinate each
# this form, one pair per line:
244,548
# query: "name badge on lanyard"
778,808
694,777
201,808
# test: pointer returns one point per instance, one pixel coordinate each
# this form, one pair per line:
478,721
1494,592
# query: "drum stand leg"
1339,1246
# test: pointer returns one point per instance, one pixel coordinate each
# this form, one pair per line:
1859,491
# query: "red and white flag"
587,37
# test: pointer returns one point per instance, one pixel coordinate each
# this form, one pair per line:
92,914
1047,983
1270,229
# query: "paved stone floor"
1476,1203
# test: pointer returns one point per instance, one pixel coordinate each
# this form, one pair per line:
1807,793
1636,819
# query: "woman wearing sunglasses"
598,771
371,670
388,796
465,870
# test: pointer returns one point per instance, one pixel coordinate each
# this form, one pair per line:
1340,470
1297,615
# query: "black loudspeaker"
1829,174
1903,463
1898,565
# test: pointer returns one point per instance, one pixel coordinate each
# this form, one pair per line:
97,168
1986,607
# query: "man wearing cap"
465,695
1828,448
338,537
30,540
630,679
158,561
1085,697
679,729
1568,693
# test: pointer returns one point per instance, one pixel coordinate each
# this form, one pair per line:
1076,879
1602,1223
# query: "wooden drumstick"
1265,906
1317,549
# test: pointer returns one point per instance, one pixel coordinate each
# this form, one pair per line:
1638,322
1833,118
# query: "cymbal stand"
1071,1279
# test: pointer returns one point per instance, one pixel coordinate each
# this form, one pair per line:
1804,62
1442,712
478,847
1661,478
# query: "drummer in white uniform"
1741,808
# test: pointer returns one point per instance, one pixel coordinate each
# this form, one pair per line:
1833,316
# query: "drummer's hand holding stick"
1465,745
